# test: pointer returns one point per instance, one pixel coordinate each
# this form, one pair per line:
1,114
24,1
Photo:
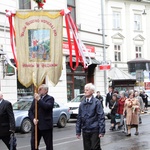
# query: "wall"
8,84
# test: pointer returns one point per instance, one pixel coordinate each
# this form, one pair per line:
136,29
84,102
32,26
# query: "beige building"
127,27
86,14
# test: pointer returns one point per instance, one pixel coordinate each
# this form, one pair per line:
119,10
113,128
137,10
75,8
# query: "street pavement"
65,139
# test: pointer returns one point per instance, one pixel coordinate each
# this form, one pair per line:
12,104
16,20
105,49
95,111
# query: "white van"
74,106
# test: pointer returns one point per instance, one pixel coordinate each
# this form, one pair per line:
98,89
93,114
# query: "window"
116,20
24,4
137,22
138,51
71,3
117,52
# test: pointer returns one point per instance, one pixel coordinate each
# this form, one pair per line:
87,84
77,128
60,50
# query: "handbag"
117,118
13,142
113,107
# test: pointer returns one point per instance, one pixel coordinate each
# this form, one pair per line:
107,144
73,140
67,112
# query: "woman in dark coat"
113,107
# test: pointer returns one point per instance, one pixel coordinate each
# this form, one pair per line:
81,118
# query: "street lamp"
104,49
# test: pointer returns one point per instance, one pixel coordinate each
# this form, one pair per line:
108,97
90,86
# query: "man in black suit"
44,119
109,96
7,121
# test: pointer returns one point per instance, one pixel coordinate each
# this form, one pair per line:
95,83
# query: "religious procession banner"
39,46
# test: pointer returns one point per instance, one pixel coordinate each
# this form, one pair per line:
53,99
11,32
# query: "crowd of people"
125,109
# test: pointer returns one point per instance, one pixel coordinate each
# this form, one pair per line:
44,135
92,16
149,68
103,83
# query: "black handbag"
13,142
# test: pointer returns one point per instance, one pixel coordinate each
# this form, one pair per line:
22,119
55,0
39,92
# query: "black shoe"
119,127
136,133
128,134
112,128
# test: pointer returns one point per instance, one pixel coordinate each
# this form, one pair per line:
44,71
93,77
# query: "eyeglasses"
40,89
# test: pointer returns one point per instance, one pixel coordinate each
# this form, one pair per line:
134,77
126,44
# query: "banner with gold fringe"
38,46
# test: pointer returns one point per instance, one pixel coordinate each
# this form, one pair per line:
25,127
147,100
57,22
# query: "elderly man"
91,120
139,98
44,122
7,121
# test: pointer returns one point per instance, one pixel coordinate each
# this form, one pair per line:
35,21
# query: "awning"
117,74
94,61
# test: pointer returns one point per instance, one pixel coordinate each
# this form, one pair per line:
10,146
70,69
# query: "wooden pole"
36,117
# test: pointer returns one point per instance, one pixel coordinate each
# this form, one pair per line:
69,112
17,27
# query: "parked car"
74,106
61,114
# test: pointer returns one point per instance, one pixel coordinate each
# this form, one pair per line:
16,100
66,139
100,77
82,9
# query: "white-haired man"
91,120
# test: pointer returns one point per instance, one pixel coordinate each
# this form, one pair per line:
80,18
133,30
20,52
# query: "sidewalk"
146,112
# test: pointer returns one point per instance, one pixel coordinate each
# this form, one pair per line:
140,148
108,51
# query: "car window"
56,105
78,98
22,105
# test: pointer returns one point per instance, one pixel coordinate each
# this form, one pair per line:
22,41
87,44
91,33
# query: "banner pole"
36,117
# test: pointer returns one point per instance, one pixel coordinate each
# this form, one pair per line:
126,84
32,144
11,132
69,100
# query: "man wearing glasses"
44,119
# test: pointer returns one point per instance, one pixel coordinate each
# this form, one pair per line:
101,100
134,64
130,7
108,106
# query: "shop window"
23,91
77,79
24,4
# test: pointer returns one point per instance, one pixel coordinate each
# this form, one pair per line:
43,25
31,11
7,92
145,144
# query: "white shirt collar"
1,100
88,98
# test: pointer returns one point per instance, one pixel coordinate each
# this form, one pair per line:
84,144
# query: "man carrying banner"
44,122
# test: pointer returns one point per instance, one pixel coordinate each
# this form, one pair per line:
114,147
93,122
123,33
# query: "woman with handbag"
113,105
131,109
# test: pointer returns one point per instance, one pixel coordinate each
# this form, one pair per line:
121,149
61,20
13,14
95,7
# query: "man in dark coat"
98,96
91,120
44,121
7,121
109,96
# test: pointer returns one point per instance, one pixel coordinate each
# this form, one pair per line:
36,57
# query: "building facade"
86,14
127,27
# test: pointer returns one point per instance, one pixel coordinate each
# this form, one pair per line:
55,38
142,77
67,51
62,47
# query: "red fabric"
40,5
121,105
12,36
68,19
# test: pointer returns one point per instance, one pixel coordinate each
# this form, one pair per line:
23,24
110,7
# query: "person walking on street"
113,107
109,96
139,98
120,109
45,104
98,96
7,121
90,120
131,111
145,99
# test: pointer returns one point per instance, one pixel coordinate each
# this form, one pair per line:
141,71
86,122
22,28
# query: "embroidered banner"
38,46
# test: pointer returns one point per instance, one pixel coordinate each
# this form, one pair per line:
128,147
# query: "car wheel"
26,126
62,121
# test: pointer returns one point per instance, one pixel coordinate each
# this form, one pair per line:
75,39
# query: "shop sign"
105,65
90,49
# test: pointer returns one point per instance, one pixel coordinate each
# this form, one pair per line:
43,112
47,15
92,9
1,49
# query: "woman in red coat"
120,110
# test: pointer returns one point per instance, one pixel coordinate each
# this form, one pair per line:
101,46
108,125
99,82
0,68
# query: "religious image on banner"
39,46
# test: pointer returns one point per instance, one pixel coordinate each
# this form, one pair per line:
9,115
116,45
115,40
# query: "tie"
87,100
